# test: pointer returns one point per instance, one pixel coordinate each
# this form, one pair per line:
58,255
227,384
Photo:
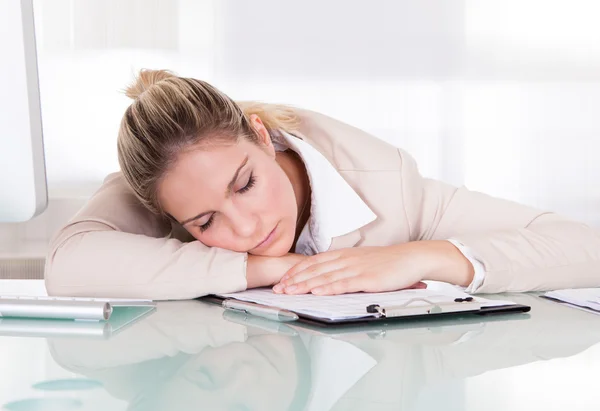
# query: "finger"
309,271
356,284
312,260
346,285
319,281
314,271
284,280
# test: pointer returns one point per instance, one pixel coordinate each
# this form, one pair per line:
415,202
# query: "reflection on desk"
188,356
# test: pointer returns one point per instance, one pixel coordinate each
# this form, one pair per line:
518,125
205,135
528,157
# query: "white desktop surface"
188,356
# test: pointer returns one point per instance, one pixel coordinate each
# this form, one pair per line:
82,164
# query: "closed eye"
245,189
207,225
249,185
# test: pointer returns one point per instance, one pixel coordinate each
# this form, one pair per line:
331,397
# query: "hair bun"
146,79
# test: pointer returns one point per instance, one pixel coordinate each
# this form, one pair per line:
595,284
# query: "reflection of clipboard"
121,318
464,327
384,328
362,308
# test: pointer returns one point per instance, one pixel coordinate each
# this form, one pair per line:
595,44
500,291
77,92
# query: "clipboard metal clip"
412,307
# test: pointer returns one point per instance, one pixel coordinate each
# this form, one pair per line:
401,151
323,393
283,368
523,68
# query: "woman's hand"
377,269
264,271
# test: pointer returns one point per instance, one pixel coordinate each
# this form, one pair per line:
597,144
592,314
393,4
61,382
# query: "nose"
244,224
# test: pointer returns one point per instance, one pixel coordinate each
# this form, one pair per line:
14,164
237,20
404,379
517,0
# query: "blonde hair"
172,114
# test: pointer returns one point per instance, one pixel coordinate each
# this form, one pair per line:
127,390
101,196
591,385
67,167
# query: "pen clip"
259,310
234,305
238,309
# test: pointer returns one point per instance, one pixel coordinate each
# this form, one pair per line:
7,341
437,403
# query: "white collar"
335,209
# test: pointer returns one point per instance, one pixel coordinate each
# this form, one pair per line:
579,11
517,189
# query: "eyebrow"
227,191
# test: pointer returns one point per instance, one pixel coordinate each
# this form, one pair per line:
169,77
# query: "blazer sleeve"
114,247
521,248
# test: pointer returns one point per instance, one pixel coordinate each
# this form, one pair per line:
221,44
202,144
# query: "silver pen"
259,310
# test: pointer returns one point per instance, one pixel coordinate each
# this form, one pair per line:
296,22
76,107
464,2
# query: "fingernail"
278,288
291,288
317,291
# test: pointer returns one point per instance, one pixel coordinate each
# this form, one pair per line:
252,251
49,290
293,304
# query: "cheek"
278,196
214,237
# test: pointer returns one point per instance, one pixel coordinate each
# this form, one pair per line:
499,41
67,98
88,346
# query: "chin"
272,252
279,253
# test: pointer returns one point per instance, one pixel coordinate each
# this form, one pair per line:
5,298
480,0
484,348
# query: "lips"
267,239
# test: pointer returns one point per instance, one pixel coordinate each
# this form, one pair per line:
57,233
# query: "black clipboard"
460,307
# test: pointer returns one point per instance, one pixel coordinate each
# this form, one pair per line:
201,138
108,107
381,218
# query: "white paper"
583,297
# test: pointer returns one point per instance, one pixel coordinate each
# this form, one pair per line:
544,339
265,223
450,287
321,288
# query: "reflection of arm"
408,360
176,327
149,352
553,331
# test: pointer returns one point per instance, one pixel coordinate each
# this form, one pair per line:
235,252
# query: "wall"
500,96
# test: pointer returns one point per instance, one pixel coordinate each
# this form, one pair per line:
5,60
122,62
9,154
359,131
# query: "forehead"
202,173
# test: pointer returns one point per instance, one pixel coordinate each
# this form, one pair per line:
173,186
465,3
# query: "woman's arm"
549,253
116,248
518,248
521,248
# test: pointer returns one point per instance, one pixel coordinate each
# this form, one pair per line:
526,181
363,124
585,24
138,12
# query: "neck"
294,168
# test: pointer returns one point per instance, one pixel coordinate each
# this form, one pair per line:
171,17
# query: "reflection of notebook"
66,308
120,319
27,310
361,307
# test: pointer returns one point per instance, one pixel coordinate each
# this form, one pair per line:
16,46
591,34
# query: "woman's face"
233,196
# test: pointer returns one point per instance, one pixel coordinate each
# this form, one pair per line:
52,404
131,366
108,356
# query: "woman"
283,197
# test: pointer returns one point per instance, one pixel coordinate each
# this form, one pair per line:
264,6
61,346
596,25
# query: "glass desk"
188,355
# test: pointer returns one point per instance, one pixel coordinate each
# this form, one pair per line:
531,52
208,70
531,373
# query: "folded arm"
116,248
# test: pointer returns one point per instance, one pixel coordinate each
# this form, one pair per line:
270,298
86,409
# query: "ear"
264,138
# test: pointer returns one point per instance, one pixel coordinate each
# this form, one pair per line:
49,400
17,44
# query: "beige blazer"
114,247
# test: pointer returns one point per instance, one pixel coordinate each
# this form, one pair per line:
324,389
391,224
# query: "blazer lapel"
345,241
321,142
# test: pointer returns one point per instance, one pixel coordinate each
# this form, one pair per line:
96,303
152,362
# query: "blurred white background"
500,96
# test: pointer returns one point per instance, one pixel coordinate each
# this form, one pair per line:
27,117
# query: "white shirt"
343,211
